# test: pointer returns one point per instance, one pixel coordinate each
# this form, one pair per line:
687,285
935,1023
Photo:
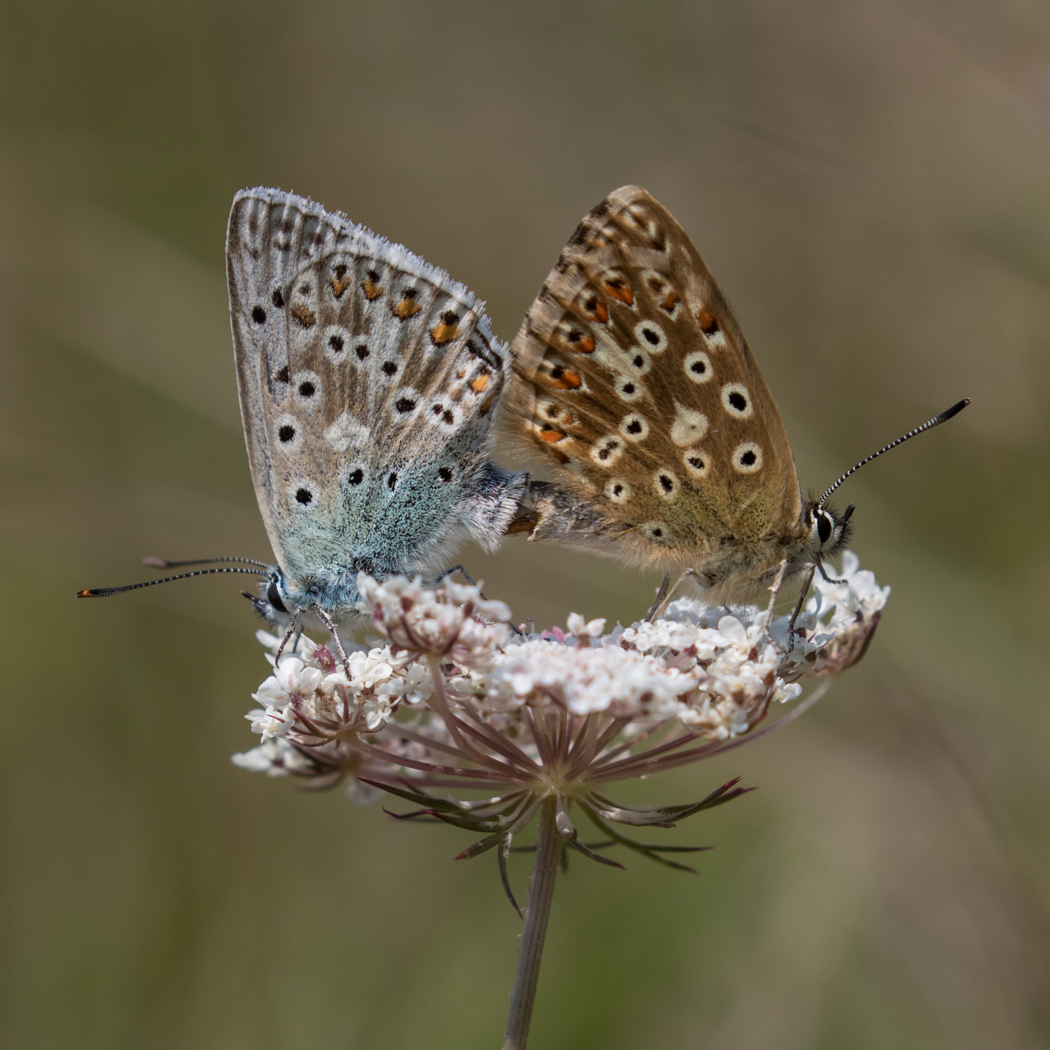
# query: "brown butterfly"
632,377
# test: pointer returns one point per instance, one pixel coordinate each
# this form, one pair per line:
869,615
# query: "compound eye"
273,596
825,527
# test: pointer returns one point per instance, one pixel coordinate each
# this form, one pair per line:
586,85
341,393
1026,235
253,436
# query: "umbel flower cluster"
449,697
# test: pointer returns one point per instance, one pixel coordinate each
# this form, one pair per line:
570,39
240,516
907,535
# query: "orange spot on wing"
551,435
561,457
563,379
584,345
708,324
670,302
600,313
405,309
444,333
479,384
339,286
303,315
371,290
620,290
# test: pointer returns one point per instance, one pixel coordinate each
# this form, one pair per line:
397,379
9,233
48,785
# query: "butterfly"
633,381
369,381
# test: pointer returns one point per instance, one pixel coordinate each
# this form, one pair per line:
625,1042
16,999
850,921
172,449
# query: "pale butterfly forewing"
368,383
633,380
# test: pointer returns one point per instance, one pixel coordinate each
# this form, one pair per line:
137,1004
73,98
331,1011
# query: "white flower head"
451,693
453,620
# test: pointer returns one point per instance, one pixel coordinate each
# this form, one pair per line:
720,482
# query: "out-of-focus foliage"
869,184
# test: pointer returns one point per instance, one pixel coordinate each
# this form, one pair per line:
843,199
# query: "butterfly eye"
273,596
825,527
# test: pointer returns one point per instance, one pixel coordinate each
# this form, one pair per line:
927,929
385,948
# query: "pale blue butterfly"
369,382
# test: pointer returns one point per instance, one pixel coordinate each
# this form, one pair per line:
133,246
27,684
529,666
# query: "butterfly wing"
633,380
368,384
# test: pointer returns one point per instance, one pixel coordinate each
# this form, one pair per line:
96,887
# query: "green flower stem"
537,912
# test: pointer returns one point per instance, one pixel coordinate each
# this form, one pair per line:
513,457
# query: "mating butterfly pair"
370,381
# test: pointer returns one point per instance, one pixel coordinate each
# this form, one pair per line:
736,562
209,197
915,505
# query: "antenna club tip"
955,409
156,563
85,594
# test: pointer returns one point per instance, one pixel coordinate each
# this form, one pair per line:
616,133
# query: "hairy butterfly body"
633,380
368,382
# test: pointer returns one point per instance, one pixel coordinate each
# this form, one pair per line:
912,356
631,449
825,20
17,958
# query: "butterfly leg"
293,625
661,595
830,579
806,583
665,593
774,593
455,568
459,568
327,621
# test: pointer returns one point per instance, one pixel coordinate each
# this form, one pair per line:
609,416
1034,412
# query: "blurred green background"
869,183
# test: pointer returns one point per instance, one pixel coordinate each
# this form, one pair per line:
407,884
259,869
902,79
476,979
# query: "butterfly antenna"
163,563
103,592
929,424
